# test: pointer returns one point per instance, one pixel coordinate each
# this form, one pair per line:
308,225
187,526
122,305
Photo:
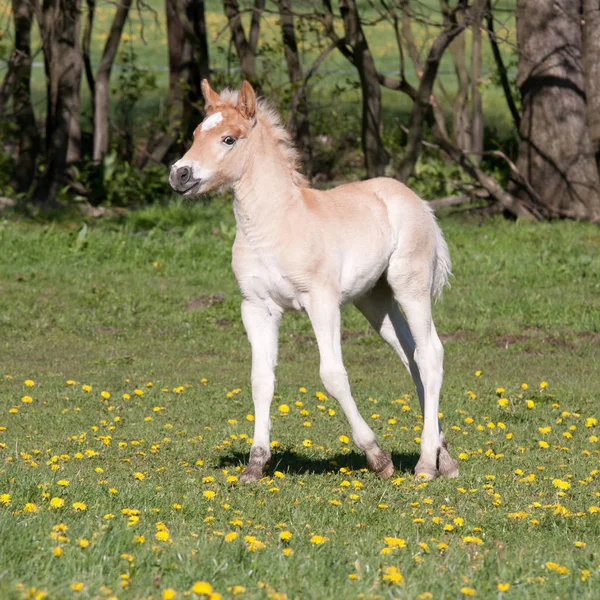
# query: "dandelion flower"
202,588
318,540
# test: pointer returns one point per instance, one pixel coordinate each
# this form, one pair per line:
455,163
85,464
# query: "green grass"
111,309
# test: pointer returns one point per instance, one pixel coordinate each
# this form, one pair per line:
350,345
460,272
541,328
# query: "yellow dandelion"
318,540
202,588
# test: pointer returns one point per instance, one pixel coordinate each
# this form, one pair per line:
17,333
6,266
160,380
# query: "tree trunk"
476,104
74,147
245,47
188,65
461,130
25,163
298,122
555,153
591,67
58,24
461,124
86,44
375,155
101,98
192,19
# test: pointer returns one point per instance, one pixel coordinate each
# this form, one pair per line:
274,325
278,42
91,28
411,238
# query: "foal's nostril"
183,175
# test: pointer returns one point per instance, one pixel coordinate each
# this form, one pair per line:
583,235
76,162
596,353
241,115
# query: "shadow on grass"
288,461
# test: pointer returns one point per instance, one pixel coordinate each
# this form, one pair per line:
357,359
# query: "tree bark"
102,88
58,23
461,124
86,44
591,67
476,103
25,163
298,122
188,66
192,18
245,47
374,152
74,147
556,154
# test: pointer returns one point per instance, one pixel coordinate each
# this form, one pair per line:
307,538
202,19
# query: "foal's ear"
211,98
246,102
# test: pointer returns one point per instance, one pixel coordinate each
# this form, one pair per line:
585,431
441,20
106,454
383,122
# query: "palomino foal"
373,243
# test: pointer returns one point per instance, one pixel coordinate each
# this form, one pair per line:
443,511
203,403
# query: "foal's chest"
260,275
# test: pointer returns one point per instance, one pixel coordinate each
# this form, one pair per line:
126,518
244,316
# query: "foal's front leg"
261,321
324,313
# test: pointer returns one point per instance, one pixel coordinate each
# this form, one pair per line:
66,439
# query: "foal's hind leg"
380,308
324,313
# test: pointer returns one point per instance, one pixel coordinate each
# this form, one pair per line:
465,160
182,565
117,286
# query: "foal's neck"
266,190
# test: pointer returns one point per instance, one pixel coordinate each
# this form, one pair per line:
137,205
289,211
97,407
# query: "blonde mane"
269,117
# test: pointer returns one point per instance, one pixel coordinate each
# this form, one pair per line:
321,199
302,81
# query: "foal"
373,243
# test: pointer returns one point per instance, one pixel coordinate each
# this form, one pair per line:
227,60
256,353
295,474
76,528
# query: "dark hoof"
381,463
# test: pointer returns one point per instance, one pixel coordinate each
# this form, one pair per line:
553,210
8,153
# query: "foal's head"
216,157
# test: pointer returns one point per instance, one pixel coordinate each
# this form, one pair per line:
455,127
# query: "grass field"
125,418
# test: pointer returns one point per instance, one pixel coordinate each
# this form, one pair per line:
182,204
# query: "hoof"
251,475
424,472
380,462
253,472
447,466
387,472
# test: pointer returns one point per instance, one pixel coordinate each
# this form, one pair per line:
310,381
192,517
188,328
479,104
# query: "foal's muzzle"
182,179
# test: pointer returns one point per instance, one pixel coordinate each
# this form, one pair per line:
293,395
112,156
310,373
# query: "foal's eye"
229,140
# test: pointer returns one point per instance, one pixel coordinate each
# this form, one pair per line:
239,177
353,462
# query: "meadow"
126,418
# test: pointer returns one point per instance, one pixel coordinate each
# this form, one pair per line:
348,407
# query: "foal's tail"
442,265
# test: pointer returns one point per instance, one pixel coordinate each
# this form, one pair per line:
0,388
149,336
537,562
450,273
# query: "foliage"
151,305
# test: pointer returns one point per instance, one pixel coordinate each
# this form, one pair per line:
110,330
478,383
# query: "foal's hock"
373,243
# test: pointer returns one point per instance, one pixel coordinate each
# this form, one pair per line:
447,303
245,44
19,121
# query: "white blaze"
211,121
